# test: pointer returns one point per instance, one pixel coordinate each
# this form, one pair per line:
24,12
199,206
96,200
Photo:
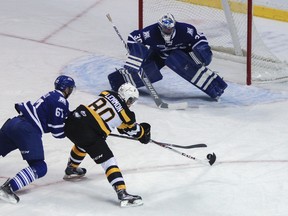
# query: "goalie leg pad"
197,74
116,80
122,75
182,64
151,70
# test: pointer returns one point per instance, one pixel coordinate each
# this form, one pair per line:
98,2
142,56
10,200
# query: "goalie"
174,44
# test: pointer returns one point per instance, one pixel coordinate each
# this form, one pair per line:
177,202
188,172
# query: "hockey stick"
116,30
158,101
211,158
198,145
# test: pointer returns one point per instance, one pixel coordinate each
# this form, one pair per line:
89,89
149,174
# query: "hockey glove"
121,131
137,54
146,137
203,53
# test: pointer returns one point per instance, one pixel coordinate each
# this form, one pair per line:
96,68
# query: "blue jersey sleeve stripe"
56,126
34,117
58,134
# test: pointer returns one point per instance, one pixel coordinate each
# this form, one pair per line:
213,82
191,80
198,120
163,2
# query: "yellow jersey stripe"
125,116
99,120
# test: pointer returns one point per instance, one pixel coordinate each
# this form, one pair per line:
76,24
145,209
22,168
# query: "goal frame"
249,35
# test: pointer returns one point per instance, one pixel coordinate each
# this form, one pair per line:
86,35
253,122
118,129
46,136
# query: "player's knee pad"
99,151
122,75
182,64
151,70
197,74
39,168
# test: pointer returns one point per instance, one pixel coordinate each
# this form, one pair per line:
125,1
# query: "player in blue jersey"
174,44
88,126
24,132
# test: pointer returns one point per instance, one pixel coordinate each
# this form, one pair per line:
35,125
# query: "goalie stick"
211,158
158,101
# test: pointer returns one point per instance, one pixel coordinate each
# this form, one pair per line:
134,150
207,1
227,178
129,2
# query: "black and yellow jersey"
109,112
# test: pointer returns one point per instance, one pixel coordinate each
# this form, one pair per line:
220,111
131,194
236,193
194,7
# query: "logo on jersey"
190,31
25,152
62,100
98,157
83,113
146,35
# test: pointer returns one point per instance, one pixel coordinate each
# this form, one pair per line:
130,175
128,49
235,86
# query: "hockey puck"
209,156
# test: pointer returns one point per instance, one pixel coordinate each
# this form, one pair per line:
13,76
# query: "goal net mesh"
226,31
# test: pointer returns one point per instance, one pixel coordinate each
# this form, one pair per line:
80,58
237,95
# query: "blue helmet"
62,82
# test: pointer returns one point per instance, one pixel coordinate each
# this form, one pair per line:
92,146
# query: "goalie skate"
72,173
7,194
128,200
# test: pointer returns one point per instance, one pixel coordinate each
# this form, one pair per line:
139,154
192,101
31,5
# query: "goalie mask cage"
228,25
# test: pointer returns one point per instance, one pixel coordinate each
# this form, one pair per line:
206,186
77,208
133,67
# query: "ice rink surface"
247,128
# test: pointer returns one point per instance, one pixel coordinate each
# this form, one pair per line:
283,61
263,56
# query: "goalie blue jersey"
48,113
185,38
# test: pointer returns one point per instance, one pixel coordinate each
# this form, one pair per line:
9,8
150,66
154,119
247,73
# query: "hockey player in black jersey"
88,126
175,44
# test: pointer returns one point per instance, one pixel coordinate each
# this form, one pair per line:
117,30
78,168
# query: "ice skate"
7,194
127,200
74,173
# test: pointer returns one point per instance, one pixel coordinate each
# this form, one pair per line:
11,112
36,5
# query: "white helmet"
167,24
128,93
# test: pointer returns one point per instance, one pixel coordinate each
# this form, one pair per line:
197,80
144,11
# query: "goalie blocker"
186,66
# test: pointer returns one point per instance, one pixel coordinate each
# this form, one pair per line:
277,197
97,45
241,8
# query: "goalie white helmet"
128,93
167,26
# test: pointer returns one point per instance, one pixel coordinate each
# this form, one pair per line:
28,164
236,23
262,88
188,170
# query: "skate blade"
7,198
131,203
73,177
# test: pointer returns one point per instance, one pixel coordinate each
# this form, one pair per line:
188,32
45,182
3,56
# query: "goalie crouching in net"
175,44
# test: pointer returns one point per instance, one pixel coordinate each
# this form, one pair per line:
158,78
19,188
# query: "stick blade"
211,158
199,145
131,203
174,106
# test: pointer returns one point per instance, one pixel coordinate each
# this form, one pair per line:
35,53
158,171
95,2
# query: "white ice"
247,129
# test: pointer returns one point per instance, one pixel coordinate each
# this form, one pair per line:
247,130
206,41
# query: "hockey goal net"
228,25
